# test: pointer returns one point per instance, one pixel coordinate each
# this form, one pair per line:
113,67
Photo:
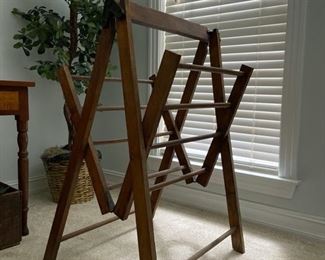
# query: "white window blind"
252,32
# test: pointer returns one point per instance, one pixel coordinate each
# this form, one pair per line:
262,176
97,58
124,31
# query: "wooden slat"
217,70
184,140
113,79
197,106
161,185
168,23
159,95
207,248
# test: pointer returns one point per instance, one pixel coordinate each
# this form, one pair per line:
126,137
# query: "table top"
14,83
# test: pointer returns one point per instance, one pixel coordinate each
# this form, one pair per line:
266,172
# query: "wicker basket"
56,161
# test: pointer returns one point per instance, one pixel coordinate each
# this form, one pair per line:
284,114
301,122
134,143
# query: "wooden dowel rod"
194,67
89,228
113,141
114,186
212,244
151,176
177,179
124,140
165,172
164,133
183,140
144,81
196,105
114,108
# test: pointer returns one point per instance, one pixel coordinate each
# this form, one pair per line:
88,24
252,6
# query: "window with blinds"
253,32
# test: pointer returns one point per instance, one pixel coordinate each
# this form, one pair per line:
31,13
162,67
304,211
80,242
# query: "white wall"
46,125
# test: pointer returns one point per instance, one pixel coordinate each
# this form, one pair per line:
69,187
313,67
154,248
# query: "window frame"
284,184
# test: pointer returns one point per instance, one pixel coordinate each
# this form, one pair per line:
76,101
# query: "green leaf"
18,36
18,45
41,49
27,53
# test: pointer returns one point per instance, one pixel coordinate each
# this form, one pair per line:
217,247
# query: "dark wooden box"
10,216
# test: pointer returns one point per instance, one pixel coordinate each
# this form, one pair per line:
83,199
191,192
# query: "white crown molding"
287,220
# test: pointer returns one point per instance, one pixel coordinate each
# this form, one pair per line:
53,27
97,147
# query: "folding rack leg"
80,141
226,153
189,90
137,166
234,216
223,144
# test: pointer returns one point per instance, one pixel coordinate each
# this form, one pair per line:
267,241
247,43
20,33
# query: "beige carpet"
179,233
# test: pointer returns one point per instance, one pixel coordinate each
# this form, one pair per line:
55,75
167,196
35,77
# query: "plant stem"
72,54
67,116
73,32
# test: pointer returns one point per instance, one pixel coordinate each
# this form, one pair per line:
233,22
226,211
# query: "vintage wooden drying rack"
141,132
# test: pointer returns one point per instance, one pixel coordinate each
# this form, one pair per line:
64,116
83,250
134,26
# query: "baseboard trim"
36,184
283,219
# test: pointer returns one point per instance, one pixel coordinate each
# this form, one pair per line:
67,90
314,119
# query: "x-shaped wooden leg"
81,140
124,202
222,144
189,90
150,122
224,120
104,198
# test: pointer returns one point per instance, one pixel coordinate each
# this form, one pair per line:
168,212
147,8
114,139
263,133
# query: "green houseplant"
60,40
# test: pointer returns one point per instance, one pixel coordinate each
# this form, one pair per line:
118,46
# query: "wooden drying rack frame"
118,19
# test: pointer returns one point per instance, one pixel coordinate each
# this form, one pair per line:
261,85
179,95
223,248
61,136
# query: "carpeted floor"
179,233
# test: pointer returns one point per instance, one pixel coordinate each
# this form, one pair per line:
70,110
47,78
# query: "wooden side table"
14,101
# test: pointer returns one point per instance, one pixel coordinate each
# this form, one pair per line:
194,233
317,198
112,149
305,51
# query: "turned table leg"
23,169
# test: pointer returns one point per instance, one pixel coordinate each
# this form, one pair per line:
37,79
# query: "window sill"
259,183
